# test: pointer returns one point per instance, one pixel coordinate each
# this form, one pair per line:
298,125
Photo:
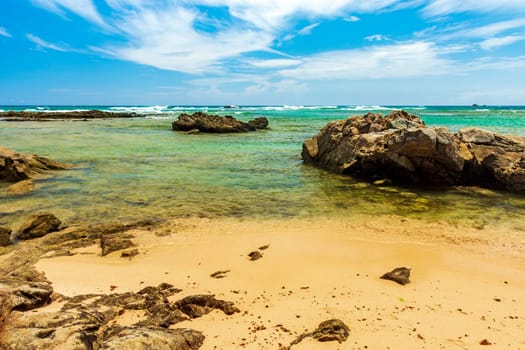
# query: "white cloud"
44,44
271,15
301,32
275,63
352,19
167,39
82,8
492,29
308,29
376,37
4,32
493,43
392,61
445,7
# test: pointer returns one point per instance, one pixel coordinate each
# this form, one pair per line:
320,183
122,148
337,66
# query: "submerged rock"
5,236
401,148
38,225
203,122
400,275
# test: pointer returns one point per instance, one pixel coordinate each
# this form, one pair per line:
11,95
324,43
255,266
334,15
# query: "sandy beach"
466,291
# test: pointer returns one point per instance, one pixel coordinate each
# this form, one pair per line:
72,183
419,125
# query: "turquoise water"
139,168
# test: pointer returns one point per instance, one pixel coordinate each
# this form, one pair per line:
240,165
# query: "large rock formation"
60,115
21,168
215,124
16,167
400,147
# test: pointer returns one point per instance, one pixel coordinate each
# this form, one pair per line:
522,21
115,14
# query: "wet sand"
467,284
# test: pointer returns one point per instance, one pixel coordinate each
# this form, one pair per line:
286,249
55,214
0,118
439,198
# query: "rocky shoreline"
62,115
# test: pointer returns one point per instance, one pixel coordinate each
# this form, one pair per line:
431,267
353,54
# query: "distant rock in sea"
401,148
204,122
61,115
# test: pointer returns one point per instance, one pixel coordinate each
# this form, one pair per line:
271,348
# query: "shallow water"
136,168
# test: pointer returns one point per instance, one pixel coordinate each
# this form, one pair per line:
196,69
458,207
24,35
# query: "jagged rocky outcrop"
20,169
204,122
401,148
92,321
61,115
16,167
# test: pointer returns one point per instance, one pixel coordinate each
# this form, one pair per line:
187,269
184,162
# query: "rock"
219,274
110,243
137,338
401,148
193,132
16,167
49,115
259,123
5,236
27,297
38,225
21,187
198,305
91,321
476,136
255,255
330,330
400,275
129,253
215,124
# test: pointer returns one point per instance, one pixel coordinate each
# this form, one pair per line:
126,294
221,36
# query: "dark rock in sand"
400,275
199,305
129,253
5,236
330,330
219,274
38,225
255,255
401,148
16,167
110,243
75,115
215,124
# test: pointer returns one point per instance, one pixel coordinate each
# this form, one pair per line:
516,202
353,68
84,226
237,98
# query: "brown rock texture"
400,147
203,122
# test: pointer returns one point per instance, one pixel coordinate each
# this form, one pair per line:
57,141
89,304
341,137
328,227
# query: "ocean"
127,169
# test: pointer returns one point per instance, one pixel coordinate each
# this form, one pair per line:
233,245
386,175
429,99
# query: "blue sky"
262,52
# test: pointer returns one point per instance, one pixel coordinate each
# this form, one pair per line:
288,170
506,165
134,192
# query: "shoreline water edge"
178,240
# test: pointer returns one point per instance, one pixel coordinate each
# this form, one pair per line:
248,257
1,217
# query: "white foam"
141,109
